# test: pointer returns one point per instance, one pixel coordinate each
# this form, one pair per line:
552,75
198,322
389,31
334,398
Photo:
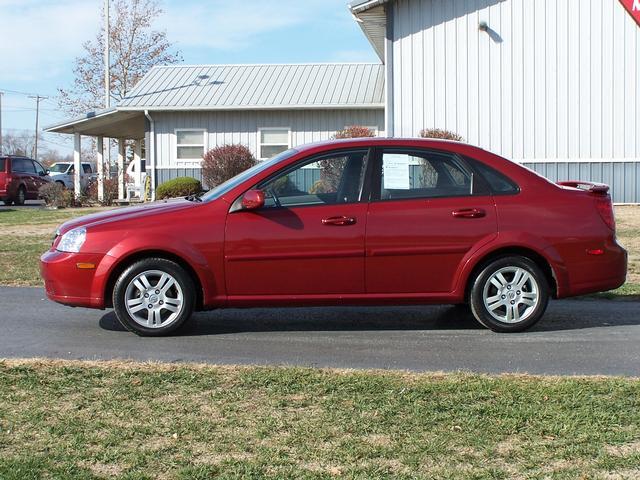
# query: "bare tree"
135,48
19,143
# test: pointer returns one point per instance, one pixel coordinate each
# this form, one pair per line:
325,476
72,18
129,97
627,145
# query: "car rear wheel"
510,294
154,297
21,196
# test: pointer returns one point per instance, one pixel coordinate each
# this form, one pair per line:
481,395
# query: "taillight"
605,209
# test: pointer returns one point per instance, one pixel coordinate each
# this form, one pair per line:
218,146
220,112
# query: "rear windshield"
3,165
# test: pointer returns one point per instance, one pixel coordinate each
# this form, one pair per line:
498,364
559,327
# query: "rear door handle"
341,221
469,213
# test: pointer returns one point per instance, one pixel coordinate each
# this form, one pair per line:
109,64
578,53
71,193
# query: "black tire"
531,313
21,196
182,279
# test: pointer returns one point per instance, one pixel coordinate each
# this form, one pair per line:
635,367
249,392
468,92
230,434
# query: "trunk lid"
601,198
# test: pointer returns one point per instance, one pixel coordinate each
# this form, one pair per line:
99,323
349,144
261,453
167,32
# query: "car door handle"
469,213
341,221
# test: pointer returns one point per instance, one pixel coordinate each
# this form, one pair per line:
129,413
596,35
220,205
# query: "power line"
17,92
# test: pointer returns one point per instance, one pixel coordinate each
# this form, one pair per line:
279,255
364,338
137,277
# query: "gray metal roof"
233,87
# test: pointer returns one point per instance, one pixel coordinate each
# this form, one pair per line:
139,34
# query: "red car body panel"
394,252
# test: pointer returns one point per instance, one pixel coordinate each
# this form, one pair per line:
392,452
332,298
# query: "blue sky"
40,39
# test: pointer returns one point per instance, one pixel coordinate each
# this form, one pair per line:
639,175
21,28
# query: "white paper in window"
396,172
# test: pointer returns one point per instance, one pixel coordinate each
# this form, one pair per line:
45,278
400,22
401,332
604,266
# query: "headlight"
72,240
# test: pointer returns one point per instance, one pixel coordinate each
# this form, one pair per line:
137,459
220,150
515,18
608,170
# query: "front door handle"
341,221
469,213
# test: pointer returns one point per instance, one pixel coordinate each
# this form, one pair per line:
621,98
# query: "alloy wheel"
511,295
154,299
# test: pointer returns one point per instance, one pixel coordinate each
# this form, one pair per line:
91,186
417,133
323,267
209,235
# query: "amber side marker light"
595,251
86,266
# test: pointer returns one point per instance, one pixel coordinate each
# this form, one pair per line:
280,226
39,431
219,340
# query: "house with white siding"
181,111
552,84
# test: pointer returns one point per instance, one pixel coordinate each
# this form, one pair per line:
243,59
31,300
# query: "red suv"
20,179
354,222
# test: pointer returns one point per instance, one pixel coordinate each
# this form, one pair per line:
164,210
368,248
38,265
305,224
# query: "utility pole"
104,143
107,93
38,98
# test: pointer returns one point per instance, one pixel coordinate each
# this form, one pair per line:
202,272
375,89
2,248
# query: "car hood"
128,213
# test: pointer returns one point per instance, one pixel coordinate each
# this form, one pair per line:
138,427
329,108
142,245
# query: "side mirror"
43,173
253,200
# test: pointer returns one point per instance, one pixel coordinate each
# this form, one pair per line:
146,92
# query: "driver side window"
326,180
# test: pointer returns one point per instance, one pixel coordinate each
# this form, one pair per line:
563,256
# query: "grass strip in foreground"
90,420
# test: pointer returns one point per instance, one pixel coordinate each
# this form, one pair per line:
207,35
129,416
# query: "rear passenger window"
86,168
3,165
423,175
22,165
497,181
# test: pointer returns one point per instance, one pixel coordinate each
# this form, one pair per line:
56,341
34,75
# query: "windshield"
59,167
230,184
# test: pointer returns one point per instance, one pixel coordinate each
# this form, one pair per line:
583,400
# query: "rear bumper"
599,273
67,284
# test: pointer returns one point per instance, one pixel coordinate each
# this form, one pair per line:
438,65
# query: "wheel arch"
133,257
539,259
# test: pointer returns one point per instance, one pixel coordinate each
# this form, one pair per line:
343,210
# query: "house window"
272,141
190,144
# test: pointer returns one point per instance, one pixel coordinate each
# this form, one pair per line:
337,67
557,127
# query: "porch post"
100,167
121,146
137,158
77,147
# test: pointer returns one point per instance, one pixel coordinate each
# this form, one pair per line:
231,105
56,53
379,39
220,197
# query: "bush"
222,163
110,191
55,195
178,187
441,134
355,131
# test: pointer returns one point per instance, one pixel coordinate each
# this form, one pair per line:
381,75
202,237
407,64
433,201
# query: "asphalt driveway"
576,337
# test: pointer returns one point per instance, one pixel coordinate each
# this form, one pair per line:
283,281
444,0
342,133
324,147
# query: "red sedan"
355,222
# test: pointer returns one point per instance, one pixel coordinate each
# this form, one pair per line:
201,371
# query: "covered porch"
126,127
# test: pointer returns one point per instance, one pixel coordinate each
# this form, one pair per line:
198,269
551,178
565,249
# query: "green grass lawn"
40,216
83,420
19,259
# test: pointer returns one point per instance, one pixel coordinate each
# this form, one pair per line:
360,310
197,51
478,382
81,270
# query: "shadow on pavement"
580,316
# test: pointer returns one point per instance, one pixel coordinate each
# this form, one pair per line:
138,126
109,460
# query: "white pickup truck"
62,172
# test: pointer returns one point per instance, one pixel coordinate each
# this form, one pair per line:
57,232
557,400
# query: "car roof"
382,141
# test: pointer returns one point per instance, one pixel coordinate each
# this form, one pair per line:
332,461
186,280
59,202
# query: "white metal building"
554,84
182,111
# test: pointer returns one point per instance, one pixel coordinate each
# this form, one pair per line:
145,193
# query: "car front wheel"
154,297
510,294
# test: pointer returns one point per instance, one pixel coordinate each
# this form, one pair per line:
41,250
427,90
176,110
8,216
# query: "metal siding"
558,80
227,127
259,86
622,177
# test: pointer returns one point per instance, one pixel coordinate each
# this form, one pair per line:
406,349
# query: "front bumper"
68,284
